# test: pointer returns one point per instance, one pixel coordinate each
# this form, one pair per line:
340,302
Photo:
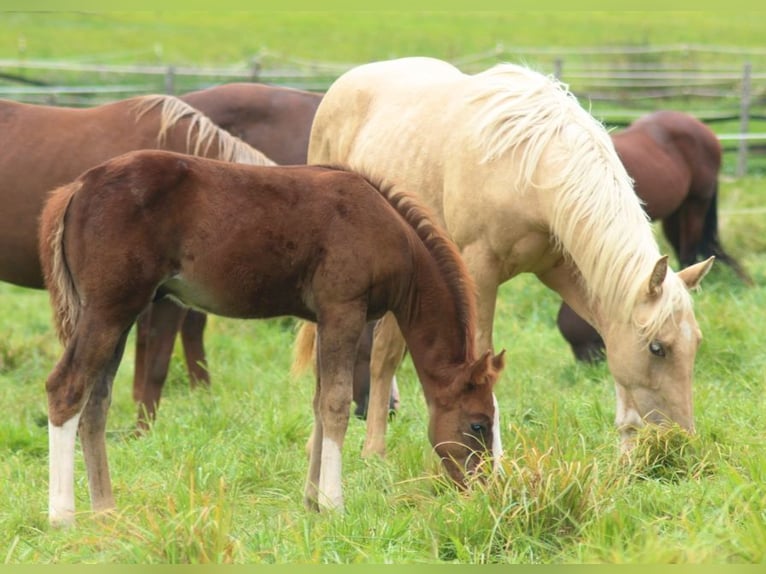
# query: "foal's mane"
556,146
444,253
202,132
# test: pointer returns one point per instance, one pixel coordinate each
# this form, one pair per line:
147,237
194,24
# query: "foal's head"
464,420
652,355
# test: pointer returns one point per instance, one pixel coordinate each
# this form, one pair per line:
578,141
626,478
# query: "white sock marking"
497,443
330,487
61,445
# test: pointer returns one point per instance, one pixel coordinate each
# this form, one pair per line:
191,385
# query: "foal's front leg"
337,339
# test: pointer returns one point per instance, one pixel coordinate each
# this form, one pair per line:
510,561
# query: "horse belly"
234,295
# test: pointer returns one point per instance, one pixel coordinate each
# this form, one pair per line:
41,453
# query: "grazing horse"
48,146
674,160
275,120
524,180
251,242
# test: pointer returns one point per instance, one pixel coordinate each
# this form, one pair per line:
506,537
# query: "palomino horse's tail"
304,348
65,300
711,242
202,132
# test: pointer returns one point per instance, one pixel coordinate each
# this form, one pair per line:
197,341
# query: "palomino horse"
49,146
272,119
524,180
330,248
674,160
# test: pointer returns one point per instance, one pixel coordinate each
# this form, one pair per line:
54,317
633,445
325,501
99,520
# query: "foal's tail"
65,301
304,348
711,242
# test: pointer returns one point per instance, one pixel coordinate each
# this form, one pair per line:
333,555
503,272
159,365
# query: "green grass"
219,479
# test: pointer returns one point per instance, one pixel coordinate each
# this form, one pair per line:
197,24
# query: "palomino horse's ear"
694,274
654,287
484,369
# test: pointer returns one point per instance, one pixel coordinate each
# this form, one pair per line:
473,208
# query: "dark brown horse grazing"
330,248
674,160
272,119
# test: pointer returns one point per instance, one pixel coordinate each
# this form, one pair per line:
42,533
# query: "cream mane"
597,220
202,132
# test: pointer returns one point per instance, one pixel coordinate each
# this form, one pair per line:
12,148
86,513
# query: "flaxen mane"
202,132
556,146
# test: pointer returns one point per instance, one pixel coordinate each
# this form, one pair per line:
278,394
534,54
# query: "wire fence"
722,85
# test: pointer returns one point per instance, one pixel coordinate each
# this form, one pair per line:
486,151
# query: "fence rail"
718,84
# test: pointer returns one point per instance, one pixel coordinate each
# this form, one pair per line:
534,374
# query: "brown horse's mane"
442,250
202,132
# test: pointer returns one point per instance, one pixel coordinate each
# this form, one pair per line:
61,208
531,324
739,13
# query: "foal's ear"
654,285
498,361
692,276
485,369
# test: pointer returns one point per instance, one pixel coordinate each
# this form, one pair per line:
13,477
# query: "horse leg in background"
710,244
388,349
157,328
338,332
587,345
192,330
362,376
79,391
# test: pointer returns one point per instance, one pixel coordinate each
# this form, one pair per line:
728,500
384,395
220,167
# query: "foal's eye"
656,349
478,428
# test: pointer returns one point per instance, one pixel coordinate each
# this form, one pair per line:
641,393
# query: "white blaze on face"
497,443
330,487
61,445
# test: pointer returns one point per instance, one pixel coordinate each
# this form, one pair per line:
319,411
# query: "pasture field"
219,478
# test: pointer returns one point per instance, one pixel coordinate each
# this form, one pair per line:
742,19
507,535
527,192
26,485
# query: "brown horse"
277,119
330,248
524,180
674,160
272,119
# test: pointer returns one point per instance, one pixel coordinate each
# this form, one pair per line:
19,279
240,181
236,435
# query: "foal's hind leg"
78,391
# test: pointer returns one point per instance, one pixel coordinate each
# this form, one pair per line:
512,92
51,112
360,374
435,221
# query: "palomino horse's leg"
388,349
484,269
78,392
157,329
192,330
338,333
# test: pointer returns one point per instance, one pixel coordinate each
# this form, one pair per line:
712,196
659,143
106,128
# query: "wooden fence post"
558,66
744,121
170,80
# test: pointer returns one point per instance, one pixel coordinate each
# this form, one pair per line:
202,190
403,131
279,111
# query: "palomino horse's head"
651,356
464,419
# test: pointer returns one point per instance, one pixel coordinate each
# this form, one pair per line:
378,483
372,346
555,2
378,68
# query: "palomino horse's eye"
656,349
